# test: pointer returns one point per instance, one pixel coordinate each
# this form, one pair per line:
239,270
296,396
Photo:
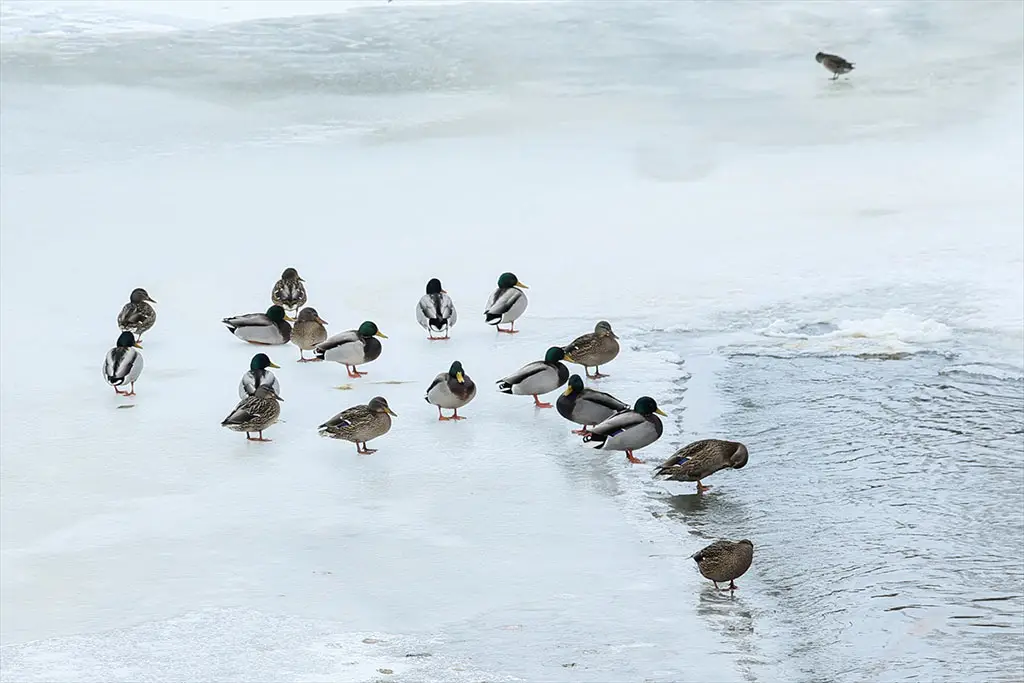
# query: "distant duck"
628,430
435,311
451,390
700,459
352,348
506,303
725,561
270,328
834,63
586,406
289,292
538,377
123,364
308,331
258,376
137,315
594,349
360,424
255,413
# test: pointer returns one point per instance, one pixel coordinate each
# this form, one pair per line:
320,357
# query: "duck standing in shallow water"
834,63
255,413
352,348
586,406
137,315
289,293
537,378
628,430
451,390
123,364
258,376
309,331
436,312
725,561
700,459
594,349
507,303
270,328
360,424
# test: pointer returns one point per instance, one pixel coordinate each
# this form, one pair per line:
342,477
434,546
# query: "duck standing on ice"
834,63
507,303
435,311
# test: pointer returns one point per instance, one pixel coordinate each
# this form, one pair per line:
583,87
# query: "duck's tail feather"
492,319
594,441
504,387
438,323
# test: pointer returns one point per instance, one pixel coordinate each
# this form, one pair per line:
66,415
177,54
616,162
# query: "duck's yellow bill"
520,284
568,358
381,335
137,345
289,318
459,377
322,321
274,365
391,412
568,390
659,411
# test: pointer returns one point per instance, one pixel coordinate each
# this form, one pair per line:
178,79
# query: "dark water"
885,499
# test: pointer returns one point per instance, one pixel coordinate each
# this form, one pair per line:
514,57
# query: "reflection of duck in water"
725,561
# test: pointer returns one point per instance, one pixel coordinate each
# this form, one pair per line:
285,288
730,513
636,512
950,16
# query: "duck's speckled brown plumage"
308,330
834,63
593,349
701,459
255,413
360,424
725,561
289,292
137,315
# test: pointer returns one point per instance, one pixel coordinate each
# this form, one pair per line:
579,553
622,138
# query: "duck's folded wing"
681,460
337,340
242,413
502,300
525,372
448,309
618,422
603,399
130,315
248,320
437,380
343,419
424,310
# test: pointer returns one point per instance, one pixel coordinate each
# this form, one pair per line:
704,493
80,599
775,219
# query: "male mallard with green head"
352,348
360,424
725,561
700,459
834,63
586,406
137,315
258,376
593,349
255,413
289,292
123,364
308,331
435,311
451,390
628,430
506,303
270,328
537,378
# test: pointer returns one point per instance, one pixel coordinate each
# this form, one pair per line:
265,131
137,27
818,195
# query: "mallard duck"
123,364
352,348
628,430
725,561
360,424
701,459
270,328
586,406
255,413
834,63
538,377
258,376
451,390
289,292
435,311
506,303
309,331
137,315
593,349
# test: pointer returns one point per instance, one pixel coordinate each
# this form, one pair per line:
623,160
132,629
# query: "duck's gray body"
626,430
505,305
533,379
349,348
254,379
257,328
436,312
448,393
588,407
122,366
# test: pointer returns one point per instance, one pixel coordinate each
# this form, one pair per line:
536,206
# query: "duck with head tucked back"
352,348
255,413
700,459
137,315
507,303
309,331
725,561
289,292
594,349
586,406
270,328
258,376
451,390
628,430
537,378
360,424
435,311
123,364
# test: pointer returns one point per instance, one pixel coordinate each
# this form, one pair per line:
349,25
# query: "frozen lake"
829,272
